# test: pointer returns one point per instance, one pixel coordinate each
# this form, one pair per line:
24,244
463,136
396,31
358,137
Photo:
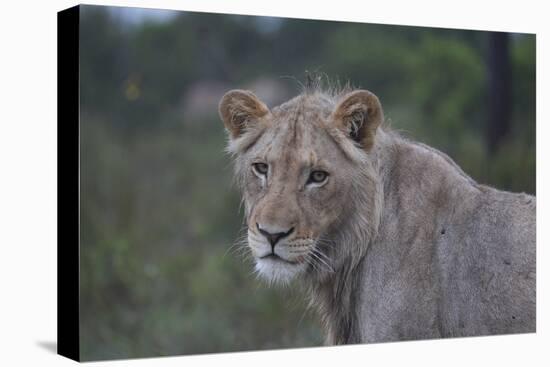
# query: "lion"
391,239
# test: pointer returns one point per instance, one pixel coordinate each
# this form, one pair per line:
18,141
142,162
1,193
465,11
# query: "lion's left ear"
359,114
239,109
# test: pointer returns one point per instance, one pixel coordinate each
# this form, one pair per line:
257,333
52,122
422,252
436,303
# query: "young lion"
392,239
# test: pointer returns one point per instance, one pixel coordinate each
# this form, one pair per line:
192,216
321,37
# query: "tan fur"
398,243
237,107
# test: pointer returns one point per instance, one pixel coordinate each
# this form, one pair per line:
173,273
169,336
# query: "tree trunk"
500,109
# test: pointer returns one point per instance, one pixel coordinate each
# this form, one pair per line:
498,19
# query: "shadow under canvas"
50,346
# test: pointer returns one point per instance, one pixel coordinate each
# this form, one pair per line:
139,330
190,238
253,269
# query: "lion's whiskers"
317,255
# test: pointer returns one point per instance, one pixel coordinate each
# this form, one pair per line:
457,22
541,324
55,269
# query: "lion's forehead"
297,134
288,142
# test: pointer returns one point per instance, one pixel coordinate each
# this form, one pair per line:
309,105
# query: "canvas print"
257,183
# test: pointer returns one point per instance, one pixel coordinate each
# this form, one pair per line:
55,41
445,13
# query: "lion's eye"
260,168
318,177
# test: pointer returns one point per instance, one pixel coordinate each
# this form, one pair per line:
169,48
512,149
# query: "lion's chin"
278,271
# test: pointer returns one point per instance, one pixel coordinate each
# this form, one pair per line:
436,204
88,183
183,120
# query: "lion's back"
490,274
452,258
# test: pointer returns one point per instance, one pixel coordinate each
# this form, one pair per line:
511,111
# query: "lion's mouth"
275,257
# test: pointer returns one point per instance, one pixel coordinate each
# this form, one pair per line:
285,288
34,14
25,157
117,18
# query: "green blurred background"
158,211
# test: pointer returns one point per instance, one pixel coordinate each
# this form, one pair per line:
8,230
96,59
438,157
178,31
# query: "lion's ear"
238,109
359,114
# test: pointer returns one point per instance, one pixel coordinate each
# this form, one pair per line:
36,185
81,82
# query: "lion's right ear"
240,108
359,114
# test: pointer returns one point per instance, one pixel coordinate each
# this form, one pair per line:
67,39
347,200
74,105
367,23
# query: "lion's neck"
336,301
335,295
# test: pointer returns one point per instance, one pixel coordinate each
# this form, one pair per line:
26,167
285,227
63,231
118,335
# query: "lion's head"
306,176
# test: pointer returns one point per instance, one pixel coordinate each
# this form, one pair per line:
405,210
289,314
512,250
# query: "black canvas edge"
68,183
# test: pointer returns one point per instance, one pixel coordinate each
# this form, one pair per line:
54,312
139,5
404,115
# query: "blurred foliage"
158,212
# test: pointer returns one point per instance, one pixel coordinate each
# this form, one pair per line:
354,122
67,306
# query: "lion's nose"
272,236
